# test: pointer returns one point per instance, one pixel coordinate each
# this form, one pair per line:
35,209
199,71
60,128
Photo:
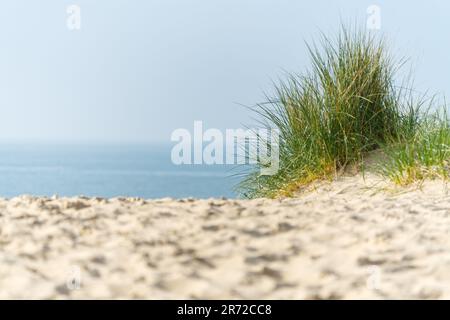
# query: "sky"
136,70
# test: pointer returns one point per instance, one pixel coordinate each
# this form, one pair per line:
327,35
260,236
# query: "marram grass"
424,155
349,103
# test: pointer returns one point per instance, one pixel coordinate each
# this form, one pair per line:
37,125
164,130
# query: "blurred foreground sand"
343,241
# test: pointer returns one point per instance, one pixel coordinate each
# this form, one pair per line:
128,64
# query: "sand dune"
341,241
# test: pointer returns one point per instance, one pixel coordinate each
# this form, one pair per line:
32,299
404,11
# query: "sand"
343,240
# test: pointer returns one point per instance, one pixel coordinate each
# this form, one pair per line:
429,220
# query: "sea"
95,170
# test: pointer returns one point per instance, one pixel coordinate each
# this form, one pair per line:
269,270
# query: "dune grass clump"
423,155
347,104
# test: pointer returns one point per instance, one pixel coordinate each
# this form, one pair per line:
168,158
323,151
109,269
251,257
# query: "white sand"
341,241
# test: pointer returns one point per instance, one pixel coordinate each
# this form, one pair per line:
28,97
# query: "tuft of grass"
346,105
423,155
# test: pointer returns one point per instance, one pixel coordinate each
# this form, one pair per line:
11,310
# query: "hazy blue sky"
138,69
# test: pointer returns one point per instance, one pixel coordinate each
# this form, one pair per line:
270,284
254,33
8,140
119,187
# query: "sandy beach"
340,241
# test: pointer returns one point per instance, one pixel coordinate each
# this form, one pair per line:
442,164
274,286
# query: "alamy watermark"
374,279
235,146
73,21
373,17
73,279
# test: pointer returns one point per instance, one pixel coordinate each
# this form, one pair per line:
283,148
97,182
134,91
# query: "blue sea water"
107,171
